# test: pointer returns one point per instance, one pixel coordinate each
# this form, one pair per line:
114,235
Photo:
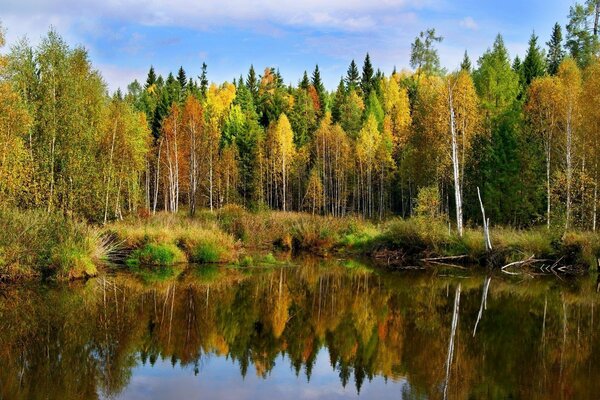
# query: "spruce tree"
252,83
304,83
534,64
352,76
555,50
465,65
366,82
151,79
181,78
203,80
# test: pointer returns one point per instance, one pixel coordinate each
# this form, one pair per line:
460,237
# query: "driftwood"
447,258
543,265
486,225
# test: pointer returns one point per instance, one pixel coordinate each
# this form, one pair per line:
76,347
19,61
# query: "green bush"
163,254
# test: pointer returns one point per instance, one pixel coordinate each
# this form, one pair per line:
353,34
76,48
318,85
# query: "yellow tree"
333,157
570,77
367,144
397,109
463,122
590,105
544,109
284,151
14,161
193,128
218,101
124,147
172,132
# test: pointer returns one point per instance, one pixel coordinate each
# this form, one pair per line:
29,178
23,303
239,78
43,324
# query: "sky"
125,37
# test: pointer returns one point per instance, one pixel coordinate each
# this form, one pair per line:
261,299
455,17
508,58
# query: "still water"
322,329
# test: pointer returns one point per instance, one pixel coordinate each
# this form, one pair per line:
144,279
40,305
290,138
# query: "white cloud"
469,23
347,15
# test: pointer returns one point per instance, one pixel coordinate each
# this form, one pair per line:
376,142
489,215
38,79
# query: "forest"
520,136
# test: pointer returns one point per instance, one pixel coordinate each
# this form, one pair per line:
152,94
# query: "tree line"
526,132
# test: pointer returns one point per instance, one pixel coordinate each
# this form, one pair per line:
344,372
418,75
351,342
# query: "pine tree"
366,81
582,43
352,77
534,64
555,50
465,65
423,56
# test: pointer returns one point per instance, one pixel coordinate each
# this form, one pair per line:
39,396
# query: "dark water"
327,330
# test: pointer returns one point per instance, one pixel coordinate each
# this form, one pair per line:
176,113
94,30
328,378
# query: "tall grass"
35,243
166,239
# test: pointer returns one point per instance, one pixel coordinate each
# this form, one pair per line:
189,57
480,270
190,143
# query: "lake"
321,329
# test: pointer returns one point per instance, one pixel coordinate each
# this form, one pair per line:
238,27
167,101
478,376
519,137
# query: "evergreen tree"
534,64
352,77
582,43
338,101
304,83
151,79
203,80
496,82
320,88
555,50
424,56
465,65
366,81
181,78
252,83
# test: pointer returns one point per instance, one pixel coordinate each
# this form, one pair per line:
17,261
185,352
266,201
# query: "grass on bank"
36,244
166,239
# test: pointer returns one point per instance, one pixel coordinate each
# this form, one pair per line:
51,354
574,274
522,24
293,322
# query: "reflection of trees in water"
534,339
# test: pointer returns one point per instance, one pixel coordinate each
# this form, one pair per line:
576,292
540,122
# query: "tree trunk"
457,189
109,177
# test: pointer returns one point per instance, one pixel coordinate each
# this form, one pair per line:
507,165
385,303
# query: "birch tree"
544,108
570,78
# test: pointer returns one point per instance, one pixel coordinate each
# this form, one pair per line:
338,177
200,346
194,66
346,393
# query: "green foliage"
555,53
161,254
496,82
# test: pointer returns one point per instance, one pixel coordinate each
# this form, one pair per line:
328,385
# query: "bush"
163,254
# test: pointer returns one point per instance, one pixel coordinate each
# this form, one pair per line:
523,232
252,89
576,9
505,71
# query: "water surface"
324,329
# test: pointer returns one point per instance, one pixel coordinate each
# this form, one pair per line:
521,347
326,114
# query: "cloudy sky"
125,37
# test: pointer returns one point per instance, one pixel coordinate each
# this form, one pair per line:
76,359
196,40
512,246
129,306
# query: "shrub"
163,254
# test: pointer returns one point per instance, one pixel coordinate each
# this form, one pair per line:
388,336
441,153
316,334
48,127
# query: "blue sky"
124,37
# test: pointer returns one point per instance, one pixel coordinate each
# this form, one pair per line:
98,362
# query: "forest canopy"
526,132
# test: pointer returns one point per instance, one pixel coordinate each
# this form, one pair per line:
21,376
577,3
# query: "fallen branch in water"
446,264
445,258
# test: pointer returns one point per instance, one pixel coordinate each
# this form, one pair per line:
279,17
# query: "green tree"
496,82
352,77
534,64
424,56
555,50
581,41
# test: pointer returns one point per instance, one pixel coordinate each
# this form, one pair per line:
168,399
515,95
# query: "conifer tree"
555,50
352,77
534,64
366,81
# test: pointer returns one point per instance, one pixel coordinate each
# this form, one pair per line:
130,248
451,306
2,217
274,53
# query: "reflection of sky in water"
220,378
